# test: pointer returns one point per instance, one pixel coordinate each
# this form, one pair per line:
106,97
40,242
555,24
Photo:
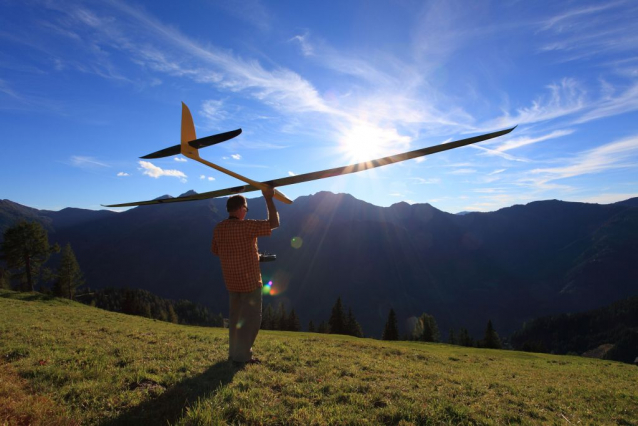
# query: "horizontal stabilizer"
197,144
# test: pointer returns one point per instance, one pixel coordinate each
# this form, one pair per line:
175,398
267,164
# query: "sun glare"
368,142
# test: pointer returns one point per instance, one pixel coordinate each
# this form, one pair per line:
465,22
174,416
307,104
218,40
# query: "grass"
65,363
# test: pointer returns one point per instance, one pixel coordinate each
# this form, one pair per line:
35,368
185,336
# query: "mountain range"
510,266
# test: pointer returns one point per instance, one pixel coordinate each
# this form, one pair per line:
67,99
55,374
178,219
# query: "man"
235,242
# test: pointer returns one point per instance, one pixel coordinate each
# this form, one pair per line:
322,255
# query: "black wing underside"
338,171
197,143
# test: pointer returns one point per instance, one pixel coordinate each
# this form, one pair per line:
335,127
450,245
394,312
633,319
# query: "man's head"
237,206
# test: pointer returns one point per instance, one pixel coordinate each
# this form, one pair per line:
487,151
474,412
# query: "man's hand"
269,192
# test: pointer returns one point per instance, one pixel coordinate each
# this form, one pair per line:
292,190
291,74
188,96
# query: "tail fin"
188,133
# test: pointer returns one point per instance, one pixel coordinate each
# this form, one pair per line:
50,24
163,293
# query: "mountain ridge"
511,265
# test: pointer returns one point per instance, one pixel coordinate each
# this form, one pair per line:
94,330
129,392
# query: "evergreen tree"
391,330
293,322
268,318
417,330
311,327
491,339
464,338
69,276
430,328
281,319
337,321
451,338
353,328
5,279
323,328
172,316
25,249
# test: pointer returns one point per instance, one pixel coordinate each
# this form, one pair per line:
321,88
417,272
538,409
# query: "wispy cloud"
422,181
493,152
591,30
610,106
291,174
236,156
526,140
564,98
564,21
180,160
82,161
213,111
462,172
615,155
252,11
154,171
123,174
306,48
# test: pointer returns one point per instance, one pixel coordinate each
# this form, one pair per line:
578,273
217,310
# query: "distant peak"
187,193
164,197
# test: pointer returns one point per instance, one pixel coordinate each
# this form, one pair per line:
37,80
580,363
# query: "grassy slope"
63,360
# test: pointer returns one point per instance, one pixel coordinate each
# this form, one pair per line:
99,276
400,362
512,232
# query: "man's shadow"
170,405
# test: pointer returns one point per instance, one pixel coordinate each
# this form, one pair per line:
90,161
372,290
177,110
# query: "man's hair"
235,202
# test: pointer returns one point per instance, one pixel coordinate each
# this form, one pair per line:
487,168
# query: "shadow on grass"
168,407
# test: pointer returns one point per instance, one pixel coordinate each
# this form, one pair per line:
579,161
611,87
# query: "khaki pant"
244,324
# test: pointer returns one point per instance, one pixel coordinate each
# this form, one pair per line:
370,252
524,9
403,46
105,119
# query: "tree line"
425,329
338,323
578,332
146,304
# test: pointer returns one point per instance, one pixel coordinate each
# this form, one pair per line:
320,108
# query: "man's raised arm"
273,216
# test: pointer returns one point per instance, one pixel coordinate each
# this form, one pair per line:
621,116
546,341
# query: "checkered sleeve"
260,228
214,247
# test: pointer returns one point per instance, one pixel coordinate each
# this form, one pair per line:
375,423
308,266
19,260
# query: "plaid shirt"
235,242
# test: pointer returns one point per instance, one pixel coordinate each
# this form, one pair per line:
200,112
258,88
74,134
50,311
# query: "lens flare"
296,242
267,288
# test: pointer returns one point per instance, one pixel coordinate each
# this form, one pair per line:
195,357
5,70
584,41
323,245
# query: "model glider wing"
197,143
338,171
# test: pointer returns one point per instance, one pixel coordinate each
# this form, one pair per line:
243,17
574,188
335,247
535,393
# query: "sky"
88,87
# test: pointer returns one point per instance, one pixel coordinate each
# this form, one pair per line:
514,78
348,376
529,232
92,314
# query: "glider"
190,145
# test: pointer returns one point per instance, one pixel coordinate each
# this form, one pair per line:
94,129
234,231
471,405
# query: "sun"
366,141
361,142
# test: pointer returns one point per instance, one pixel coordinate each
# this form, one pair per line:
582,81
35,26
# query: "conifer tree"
353,328
5,279
337,321
281,321
172,316
417,331
491,339
293,322
430,328
464,338
268,318
311,327
69,276
323,328
451,338
391,330
25,249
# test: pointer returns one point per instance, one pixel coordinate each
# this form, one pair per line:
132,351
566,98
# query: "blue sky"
88,87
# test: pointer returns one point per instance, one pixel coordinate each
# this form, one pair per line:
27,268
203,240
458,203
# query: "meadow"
64,363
